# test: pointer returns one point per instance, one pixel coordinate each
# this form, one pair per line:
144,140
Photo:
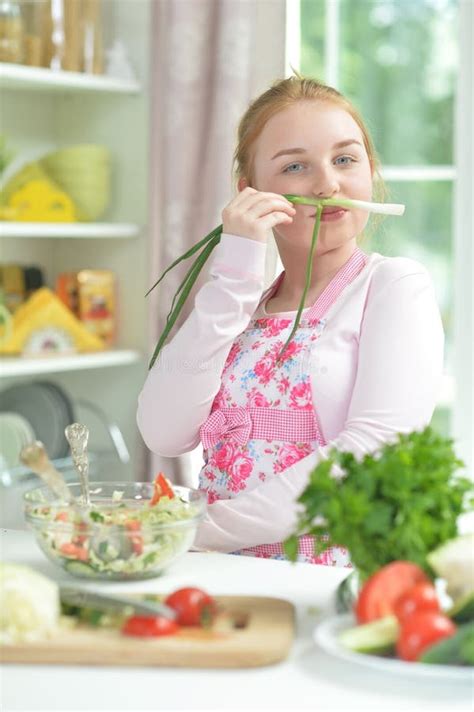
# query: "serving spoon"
106,544
35,457
77,436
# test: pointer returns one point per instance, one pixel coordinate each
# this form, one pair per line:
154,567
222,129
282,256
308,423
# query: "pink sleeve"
179,390
400,362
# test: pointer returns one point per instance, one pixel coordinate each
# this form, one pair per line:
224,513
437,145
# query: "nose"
326,184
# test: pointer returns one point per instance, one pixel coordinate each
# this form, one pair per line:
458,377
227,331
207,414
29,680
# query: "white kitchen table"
308,679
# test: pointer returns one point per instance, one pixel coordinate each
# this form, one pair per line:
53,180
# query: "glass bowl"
122,537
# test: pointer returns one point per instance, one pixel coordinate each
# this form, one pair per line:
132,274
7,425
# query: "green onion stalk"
207,244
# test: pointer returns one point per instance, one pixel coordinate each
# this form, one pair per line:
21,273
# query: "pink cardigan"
376,373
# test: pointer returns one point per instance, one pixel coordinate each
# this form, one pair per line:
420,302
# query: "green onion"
384,208
216,232
189,282
309,269
213,238
184,282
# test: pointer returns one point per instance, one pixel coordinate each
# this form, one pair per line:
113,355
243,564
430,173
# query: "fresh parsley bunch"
399,503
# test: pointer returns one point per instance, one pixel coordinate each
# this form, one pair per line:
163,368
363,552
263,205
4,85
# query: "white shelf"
19,77
19,366
67,230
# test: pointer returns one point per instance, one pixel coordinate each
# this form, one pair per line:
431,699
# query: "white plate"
15,431
326,636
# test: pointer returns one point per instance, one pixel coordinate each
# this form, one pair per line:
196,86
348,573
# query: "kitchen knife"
82,598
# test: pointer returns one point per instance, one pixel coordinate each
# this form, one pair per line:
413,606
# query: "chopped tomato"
62,517
149,626
420,631
420,597
380,591
132,525
73,551
193,606
162,489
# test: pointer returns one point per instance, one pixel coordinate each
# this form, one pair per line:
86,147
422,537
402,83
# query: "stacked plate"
46,408
15,432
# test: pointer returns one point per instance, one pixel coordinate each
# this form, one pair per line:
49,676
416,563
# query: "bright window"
397,60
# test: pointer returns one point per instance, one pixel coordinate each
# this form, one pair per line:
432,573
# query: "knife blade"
82,598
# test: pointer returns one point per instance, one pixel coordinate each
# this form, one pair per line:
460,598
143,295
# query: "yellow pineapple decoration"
39,200
43,326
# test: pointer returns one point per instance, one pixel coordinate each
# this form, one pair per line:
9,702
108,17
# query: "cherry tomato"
380,591
421,597
73,551
136,540
149,626
420,631
193,606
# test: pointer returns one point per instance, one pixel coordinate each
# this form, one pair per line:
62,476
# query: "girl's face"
313,165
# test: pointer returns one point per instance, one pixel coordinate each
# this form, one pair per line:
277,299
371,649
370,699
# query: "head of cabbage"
29,604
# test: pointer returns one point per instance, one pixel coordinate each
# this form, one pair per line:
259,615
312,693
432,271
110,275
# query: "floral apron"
263,419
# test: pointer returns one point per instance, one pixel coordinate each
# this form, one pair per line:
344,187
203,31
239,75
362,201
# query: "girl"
364,364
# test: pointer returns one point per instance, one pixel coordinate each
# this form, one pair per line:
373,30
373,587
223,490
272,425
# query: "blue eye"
291,164
349,157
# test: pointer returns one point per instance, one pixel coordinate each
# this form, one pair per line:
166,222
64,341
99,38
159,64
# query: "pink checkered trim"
346,274
265,424
291,425
305,549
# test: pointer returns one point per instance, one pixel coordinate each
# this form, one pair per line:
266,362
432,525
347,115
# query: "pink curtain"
201,79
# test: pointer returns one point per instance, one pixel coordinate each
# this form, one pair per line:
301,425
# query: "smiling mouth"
330,211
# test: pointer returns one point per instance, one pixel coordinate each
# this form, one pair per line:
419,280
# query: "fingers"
250,197
253,213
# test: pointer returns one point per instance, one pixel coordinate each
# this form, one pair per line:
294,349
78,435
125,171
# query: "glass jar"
11,32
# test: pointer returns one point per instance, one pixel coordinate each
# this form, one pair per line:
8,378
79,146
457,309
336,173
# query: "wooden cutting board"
248,632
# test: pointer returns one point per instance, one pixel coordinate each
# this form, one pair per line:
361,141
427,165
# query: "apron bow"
234,423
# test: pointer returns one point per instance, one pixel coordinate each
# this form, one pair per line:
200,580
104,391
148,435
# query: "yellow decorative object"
29,172
7,213
43,326
40,201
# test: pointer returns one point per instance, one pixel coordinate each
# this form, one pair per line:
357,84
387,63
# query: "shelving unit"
68,230
42,109
18,77
13,367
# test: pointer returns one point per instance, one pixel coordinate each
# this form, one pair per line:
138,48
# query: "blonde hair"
282,94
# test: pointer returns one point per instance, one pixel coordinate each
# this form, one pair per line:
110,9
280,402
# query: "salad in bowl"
131,531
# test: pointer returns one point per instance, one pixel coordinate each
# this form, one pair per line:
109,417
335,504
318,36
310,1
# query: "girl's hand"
253,213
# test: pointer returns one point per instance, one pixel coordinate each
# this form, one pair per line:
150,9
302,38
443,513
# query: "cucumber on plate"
376,638
456,650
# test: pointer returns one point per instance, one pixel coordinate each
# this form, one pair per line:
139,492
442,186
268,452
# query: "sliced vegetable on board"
29,604
193,606
149,626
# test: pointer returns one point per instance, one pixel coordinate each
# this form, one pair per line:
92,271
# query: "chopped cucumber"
378,637
456,650
79,568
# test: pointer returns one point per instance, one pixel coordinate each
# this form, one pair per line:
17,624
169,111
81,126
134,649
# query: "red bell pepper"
162,489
